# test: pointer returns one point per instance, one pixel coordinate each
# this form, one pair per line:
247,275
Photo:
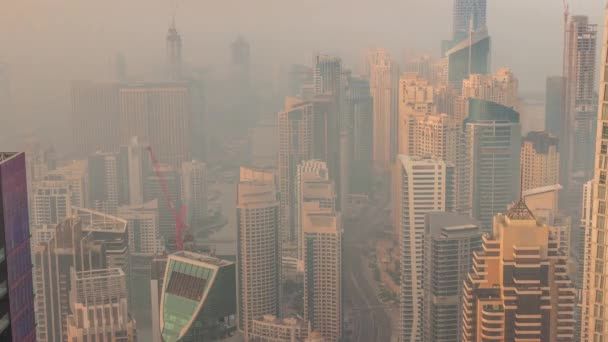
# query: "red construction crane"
180,226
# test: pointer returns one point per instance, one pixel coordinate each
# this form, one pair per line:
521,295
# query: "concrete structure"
133,164
16,281
258,247
198,302
328,76
322,239
98,301
75,174
194,191
518,288
361,114
449,243
52,200
383,89
539,160
103,182
95,116
420,186
594,313
157,277
269,328
493,143
295,145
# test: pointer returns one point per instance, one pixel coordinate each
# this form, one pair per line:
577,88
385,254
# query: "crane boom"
178,217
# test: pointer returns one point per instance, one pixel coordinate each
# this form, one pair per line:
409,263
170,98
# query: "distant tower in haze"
240,58
174,53
468,14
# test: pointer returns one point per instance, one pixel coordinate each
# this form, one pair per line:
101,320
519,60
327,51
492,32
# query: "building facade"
420,186
518,288
52,200
539,160
17,320
322,239
194,191
258,248
449,243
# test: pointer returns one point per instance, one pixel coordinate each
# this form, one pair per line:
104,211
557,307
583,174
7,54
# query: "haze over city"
316,171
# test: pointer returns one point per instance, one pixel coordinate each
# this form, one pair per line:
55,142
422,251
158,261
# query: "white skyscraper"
142,220
420,186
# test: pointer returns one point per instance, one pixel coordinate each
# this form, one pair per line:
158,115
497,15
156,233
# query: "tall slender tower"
174,53
595,310
258,248
468,14
539,160
17,301
420,186
383,88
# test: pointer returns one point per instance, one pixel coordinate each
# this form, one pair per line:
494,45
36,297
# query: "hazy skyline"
46,43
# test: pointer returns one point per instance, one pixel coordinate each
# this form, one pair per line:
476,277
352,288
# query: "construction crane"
180,226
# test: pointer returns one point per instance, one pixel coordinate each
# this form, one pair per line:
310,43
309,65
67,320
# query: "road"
369,319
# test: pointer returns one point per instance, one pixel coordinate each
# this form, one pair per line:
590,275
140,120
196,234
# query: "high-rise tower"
258,247
420,186
467,15
174,53
16,283
595,310
539,160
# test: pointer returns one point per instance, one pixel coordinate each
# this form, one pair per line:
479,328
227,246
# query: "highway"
369,320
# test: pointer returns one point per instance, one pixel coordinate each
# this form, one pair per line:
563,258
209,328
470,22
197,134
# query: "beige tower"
518,289
296,124
500,87
539,160
322,232
416,100
258,248
595,307
383,88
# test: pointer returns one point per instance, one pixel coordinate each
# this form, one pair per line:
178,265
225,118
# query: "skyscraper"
383,88
295,145
17,300
322,235
577,138
133,163
258,247
103,182
554,105
143,233
468,56
52,200
420,186
100,310
360,108
174,53
519,288
450,240
153,190
416,100
240,58
161,114
493,138
75,174
500,87
328,76
312,185
468,15
595,312
194,191
198,299
539,160
95,116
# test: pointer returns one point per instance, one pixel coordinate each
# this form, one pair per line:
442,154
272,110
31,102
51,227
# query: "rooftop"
520,211
203,258
4,156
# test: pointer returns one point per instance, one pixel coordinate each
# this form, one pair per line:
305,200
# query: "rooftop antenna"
174,13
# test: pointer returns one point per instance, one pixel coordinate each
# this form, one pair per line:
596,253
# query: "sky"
46,43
